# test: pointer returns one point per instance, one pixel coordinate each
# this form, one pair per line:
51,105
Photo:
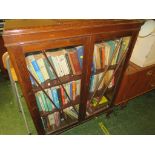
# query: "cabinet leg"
108,113
123,105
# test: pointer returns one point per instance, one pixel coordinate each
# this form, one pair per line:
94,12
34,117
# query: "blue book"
32,80
91,83
80,51
55,97
71,92
38,72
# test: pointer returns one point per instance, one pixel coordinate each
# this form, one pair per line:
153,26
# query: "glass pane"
108,58
56,80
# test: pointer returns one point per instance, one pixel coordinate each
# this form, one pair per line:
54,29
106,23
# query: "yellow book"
103,101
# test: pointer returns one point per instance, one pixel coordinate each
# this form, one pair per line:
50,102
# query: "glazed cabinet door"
51,75
109,56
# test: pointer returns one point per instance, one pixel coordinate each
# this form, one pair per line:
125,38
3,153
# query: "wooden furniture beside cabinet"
136,81
25,37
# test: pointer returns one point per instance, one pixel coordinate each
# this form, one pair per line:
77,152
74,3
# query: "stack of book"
65,62
58,96
55,120
104,51
101,58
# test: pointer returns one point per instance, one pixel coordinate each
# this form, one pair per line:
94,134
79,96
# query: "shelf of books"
108,58
55,76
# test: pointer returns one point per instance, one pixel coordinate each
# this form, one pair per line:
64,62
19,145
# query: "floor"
135,119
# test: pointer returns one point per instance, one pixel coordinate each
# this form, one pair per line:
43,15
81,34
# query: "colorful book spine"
80,51
49,70
62,95
38,102
38,71
51,119
73,90
68,64
43,69
44,101
55,97
48,102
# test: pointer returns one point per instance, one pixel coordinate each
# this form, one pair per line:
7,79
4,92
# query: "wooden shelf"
52,83
76,102
98,71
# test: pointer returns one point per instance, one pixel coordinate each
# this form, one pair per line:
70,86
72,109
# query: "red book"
74,62
62,96
103,57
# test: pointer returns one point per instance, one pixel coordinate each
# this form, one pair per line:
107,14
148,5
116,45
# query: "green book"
38,103
49,70
44,101
48,102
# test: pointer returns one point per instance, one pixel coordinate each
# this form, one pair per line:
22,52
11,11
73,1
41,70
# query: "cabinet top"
27,30
40,23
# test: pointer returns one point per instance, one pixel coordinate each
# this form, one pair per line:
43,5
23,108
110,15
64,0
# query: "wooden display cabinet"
23,37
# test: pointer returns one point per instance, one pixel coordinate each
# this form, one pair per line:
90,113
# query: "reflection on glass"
56,80
107,59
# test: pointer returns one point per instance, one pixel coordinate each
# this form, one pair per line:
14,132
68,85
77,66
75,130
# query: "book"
97,56
48,102
103,101
78,87
102,82
34,63
49,70
57,119
107,77
80,51
33,72
44,101
101,47
64,64
59,96
56,66
62,95
73,59
107,53
60,64
71,113
73,90
51,119
68,64
38,102
112,45
39,58
55,97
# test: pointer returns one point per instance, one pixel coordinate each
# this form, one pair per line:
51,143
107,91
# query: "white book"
102,83
107,53
78,87
56,66
51,119
43,69
60,65
95,82
62,58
